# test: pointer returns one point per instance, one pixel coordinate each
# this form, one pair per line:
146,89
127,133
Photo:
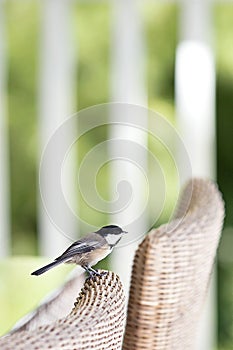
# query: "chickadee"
88,250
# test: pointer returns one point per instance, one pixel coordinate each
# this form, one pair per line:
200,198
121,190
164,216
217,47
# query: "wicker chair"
170,277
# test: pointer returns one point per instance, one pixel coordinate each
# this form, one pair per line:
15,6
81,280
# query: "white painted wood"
56,92
195,99
4,164
195,103
127,86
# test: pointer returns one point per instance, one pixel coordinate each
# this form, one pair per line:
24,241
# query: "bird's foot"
92,272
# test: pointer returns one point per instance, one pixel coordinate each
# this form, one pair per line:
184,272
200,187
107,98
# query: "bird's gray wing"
84,245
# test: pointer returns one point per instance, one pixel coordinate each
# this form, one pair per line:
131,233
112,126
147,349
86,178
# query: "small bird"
88,250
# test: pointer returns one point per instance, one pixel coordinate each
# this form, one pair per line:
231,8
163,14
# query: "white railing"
56,103
128,86
195,102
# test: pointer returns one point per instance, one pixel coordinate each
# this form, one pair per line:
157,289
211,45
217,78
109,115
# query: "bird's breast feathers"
91,257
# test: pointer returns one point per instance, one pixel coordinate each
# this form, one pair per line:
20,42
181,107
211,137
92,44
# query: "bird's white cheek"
112,239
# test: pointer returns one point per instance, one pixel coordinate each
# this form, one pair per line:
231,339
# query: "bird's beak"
124,232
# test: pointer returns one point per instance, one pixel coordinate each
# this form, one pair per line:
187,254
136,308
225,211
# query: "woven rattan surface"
171,271
96,321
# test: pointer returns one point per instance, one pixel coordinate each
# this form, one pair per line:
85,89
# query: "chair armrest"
96,321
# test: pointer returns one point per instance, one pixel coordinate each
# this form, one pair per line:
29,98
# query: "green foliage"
22,64
20,292
91,28
161,23
224,59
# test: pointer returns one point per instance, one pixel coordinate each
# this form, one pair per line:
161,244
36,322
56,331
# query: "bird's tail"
46,267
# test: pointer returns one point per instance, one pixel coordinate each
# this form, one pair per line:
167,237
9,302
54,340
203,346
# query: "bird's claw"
93,273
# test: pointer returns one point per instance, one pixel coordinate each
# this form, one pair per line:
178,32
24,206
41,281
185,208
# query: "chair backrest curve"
171,272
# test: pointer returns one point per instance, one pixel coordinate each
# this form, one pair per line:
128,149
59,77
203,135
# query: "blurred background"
59,57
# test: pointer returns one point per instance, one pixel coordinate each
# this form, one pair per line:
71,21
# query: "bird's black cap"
110,229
